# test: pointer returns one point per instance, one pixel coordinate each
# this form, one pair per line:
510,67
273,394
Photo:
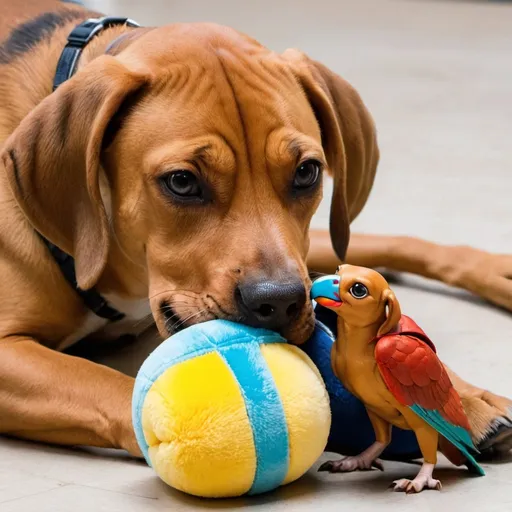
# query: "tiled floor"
438,78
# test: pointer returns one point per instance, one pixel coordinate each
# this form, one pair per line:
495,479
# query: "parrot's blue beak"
325,291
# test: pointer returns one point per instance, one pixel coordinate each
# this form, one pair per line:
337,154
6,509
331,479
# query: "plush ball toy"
221,409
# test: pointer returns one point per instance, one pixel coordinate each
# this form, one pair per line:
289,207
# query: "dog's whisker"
189,317
176,303
181,323
173,317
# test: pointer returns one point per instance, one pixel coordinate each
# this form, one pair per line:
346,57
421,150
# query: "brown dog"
184,166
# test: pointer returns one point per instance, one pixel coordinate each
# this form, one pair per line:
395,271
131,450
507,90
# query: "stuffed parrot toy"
384,359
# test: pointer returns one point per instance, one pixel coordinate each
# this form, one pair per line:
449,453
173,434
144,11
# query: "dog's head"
189,166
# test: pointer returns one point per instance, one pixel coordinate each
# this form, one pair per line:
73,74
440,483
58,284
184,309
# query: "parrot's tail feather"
458,436
472,464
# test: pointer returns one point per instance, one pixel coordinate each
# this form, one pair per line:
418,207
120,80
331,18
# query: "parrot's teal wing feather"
416,377
458,436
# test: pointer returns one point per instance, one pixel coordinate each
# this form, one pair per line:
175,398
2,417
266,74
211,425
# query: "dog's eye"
358,291
183,184
307,174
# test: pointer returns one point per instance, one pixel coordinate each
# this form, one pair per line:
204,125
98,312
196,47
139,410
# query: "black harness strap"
78,40
91,298
66,67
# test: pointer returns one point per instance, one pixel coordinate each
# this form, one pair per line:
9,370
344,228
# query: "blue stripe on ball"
265,412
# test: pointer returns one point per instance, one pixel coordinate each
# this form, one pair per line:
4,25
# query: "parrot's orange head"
361,296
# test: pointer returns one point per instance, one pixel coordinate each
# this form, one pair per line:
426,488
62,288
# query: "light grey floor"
438,78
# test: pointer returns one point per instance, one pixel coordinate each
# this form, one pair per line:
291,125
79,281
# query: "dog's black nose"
272,304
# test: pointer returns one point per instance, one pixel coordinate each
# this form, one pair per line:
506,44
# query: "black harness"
66,67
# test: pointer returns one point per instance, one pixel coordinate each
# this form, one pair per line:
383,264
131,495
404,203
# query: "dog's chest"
137,319
134,310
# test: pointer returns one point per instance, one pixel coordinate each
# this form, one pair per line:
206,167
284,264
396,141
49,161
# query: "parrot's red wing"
415,376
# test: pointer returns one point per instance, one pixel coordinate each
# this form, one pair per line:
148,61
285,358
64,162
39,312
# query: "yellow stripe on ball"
305,403
195,422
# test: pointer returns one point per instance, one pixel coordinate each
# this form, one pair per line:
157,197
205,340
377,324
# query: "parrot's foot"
422,481
362,462
416,485
348,464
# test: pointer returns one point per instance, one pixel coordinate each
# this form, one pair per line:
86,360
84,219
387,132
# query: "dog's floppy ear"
53,162
348,139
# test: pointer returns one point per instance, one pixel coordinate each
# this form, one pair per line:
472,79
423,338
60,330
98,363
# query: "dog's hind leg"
485,274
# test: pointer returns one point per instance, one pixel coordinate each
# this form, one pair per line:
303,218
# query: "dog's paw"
498,441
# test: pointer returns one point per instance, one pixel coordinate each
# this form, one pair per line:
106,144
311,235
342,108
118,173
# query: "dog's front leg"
56,398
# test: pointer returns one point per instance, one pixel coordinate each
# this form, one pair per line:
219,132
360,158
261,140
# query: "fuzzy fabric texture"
222,410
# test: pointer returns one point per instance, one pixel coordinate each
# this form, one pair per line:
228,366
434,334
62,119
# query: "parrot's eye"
358,291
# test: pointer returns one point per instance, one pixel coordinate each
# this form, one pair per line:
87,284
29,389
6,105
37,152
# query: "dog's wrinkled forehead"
206,61
161,51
